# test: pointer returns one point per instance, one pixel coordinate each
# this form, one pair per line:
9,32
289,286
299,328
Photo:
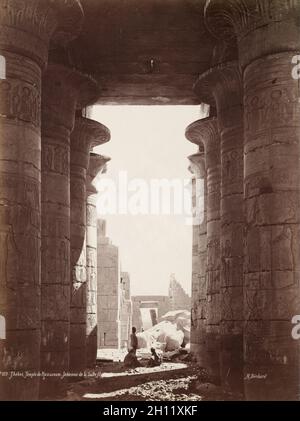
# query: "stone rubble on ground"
172,333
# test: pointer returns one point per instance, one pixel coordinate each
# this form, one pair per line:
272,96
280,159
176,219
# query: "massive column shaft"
221,86
64,90
268,37
205,132
96,166
86,134
25,31
199,298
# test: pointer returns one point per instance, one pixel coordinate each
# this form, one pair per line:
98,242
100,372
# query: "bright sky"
148,142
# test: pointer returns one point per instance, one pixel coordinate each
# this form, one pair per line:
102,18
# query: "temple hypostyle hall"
237,56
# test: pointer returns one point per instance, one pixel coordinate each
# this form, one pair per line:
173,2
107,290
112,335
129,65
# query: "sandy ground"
172,381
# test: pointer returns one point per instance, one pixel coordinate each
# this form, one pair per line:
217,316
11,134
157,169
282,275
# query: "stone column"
25,31
205,133
64,90
268,37
198,312
96,166
86,134
221,87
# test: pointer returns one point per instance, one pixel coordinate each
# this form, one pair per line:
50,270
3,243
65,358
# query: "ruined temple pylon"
87,133
268,38
205,133
97,165
26,29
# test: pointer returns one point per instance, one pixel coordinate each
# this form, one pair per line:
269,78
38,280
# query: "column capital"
87,134
251,22
70,18
221,85
88,88
97,165
66,87
27,27
197,166
204,133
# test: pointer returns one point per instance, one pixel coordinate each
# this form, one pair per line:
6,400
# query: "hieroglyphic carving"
272,107
9,256
21,101
55,158
230,166
272,120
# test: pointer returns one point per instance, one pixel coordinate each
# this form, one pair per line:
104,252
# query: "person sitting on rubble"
154,360
130,360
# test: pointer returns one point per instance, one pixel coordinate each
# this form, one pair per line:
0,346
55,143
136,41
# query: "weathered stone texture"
221,87
272,210
96,166
108,274
25,32
206,134
86,134
57,124
268,38
199,199
64,90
